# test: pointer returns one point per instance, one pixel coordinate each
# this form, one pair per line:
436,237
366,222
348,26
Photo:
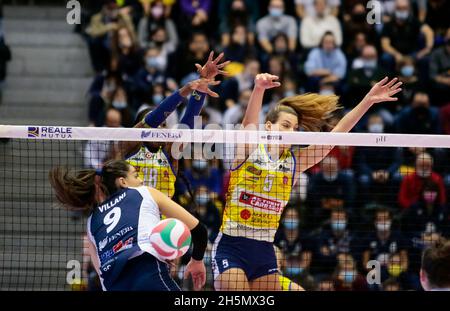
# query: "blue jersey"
120,229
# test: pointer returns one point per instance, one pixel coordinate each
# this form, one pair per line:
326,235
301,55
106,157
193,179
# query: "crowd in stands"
360,204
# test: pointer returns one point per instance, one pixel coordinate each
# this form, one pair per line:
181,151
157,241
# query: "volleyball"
170,238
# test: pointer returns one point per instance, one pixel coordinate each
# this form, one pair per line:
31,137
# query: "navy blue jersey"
120,228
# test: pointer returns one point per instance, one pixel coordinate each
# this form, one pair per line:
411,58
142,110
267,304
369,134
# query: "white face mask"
330,177
383,226
376,128
423,174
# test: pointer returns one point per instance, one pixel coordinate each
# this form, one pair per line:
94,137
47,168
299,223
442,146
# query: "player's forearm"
156,117
351,118
193,108
254,107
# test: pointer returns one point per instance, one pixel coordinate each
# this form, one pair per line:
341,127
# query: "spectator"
437,17
412,185
96,152
378,167
239,47
399,271
156,19
305,8
325,64
407,73
355,47
204,173
384,241
235,113
193,15
346,276
328,190
152,73
419,118
439,71
180,63
401,37
334,238
445,119
364,74
100,33
127,56
234,13
5,57
207,210
427,214
168,4
358,24
276,22
232,87
313,28
391,285
435,270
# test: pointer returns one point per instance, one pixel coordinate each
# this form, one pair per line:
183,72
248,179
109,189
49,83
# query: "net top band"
213,134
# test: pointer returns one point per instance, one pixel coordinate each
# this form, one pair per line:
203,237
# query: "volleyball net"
358,219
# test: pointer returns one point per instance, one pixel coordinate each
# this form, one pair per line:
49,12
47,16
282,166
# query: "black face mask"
421,112
238,14
359,18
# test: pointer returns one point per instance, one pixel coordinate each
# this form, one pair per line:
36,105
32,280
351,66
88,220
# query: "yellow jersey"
258,191
155,170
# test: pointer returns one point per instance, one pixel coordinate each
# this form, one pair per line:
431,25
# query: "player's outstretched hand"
212,67
384,91
266,81
196,269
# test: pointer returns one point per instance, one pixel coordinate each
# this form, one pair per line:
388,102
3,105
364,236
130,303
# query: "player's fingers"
210,57
396,86
393,92
199,67
213,94
276,84
218,58
391,83
382,82
220,66
224,73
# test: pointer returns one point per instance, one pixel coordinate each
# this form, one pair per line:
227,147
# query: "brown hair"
313,110
436,264
80,190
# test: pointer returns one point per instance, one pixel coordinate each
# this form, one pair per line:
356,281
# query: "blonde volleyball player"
122,213
153,161
260,183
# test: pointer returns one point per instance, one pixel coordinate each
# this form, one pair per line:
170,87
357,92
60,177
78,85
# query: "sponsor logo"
254,170
33,131
245,214
119,234
251,179
166,175
149,155
283,168
285,180
121,246
272,137
259,202
102,244
164,135
50,132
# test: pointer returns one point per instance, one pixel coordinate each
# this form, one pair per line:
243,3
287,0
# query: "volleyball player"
122,213
260,183
153,161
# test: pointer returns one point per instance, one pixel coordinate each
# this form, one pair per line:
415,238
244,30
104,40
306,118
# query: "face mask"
200,164
348,276
407,71
289,93
359,17
290,224
294,270
201,199
423,174
330,177
401,15
429,196
370,64
326,92
275,12
157,99
152,62
110,87
338,225
119,104
384,226
157,11
376,128
395,270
